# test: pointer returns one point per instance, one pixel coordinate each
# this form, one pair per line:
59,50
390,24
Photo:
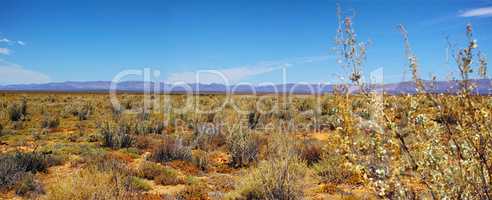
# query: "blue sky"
249,41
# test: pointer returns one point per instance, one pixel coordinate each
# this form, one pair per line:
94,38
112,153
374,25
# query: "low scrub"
171,149
17,111
28,187
149,170
169,177
81,111
160,174
243,148
195,191
332,169
310,152
200,159
13,167
108,162
137,184
115,137
90,184
276,179
50,121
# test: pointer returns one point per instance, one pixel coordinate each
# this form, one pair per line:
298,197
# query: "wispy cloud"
5,40
12,42
15,74
236,74
7,51
4,51
477,12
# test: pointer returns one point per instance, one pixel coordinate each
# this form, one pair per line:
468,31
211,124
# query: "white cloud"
478,12
5,40
236,74
12,42
15,74
4,51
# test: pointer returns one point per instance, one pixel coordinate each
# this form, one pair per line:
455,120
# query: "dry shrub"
115,137
14,167
243,148
149,170
17,111
169,177
81,110
108,162
160,174
171,149
207,137
193,192
138,184
184,166
329,188
149,127
143,142
311,152
276,179
147,142
333,169
84,111
200,159
280,177
221,182
89,184
50,121
28,187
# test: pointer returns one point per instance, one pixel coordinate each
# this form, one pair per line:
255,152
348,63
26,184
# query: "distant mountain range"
483,87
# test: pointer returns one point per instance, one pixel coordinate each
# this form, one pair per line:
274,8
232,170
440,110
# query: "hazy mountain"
484,87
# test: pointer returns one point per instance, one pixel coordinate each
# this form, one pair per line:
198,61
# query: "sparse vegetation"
243,148
345,145
14,167
50,121
17,111
171,149
275,179
116,137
